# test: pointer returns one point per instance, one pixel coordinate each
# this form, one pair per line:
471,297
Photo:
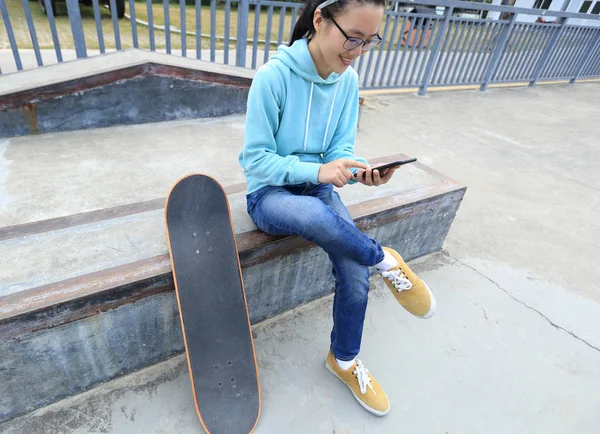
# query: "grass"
44,36
464,41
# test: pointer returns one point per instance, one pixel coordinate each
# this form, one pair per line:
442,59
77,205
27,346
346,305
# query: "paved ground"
514,347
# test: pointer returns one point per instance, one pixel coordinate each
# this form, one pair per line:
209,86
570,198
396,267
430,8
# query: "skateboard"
212,306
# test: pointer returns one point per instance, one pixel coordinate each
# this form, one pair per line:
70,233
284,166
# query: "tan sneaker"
363,386
410,291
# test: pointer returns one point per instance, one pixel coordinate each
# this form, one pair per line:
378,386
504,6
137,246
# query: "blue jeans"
317,214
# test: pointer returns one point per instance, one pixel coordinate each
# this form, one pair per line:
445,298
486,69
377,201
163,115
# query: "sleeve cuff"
306,172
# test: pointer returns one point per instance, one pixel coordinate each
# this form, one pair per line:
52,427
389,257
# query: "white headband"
326,3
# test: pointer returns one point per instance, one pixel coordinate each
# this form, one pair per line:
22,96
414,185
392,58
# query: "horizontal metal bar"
418,15
496,8
276,4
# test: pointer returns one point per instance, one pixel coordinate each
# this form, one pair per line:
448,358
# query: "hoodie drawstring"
312,85
330,113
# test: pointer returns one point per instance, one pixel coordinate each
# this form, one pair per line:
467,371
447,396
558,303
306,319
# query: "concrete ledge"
122,88
50,75
60,339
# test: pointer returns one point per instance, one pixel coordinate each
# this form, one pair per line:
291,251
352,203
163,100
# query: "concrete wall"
134,101
42,367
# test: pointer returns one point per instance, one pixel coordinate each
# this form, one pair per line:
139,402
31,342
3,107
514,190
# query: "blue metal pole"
586,57
97,17
435,51
76,27
11,35
242,32
134,33
182,25
548,51
31,26
151,25
115,20
198,29
53,30
499,50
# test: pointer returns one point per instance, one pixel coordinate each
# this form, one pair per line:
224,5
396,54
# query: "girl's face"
358,21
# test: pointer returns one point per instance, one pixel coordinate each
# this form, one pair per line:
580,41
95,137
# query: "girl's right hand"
337,172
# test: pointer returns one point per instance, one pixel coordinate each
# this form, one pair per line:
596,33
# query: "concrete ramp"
122,88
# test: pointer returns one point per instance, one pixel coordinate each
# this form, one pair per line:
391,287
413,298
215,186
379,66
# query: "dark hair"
304,26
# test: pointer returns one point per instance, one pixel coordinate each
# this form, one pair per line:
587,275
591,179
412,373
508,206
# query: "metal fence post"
182,25
242,33
76,28
498,52
547,53
32,34
167,18
435,51
586,57
11,35
132,19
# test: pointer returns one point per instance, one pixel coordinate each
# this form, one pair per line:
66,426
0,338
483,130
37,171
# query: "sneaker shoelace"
398,279
364,380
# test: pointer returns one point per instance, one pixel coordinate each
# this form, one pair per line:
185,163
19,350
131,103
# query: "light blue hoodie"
296,120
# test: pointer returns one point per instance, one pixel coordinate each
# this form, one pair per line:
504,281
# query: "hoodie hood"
296,121
298,59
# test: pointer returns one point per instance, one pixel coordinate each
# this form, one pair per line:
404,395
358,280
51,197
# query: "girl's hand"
337,172
373,177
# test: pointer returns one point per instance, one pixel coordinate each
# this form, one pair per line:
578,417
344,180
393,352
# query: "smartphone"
390,165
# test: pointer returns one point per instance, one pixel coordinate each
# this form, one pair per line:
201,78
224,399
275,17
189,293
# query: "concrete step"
94,209
87,297
86,291
97,202
61,174
118,312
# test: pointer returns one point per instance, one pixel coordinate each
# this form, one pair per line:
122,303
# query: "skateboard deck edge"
187,354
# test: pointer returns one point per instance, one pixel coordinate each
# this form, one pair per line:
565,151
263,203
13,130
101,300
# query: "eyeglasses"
351,43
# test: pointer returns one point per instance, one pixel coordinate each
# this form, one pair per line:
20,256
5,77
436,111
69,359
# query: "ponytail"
304,26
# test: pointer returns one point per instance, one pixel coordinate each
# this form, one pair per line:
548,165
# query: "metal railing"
420,50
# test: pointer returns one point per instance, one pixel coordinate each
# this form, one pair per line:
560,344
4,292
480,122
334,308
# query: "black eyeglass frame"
358,41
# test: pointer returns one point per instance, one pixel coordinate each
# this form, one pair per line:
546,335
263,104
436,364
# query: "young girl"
299,142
